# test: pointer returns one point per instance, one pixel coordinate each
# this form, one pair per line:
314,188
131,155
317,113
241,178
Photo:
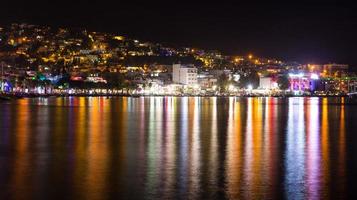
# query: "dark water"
178,148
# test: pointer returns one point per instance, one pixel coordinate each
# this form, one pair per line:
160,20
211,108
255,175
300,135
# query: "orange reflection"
81,143
123,110
22,159
60,124
325,145
194,146
234,150
257,147
97,156
253,148
270,160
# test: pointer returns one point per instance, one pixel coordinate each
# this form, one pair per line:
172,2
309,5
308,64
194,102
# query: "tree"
223,82
283,82
251,78
114,80
64,80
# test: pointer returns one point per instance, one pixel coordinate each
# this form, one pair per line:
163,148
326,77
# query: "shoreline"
19,96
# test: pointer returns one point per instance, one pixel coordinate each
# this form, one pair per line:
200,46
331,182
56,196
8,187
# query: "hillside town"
44,61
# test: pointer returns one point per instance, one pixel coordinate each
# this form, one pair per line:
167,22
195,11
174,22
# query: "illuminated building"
334,69
352,87
184,74
95,79
268,83
206,80
328,70
301,82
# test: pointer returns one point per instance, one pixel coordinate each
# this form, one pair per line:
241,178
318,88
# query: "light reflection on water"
170,147
294,153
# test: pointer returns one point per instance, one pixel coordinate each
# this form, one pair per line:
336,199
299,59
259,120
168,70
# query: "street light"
231,87
250,87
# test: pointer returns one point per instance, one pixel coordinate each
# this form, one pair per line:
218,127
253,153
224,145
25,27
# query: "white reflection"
183,148
153,147
195,148
170,147
213,159
295,146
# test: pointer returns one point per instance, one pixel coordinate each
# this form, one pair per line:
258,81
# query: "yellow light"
250,56
119,37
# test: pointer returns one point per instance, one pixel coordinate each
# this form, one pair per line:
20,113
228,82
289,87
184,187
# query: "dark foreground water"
178,148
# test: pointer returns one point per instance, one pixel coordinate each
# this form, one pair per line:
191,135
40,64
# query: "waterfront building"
303,82
206,81
334,69
184,74
352,87
327,70
268,83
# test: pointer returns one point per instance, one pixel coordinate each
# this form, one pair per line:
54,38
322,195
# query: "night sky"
318,32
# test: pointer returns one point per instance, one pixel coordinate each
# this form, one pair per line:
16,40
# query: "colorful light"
314,76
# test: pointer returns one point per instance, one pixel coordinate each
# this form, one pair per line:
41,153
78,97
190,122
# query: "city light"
159,100
250,87
95,67
300,75
314,76
231,87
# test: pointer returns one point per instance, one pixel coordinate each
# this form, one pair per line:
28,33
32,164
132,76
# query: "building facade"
300,83
268,83
184,74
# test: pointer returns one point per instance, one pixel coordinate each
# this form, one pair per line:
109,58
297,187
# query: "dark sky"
305,31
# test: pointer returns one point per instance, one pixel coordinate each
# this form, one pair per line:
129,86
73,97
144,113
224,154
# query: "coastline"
18,96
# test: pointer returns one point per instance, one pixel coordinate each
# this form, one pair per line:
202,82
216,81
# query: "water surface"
178,148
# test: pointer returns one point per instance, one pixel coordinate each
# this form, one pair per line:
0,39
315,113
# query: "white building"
206,80
184,74
267,83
